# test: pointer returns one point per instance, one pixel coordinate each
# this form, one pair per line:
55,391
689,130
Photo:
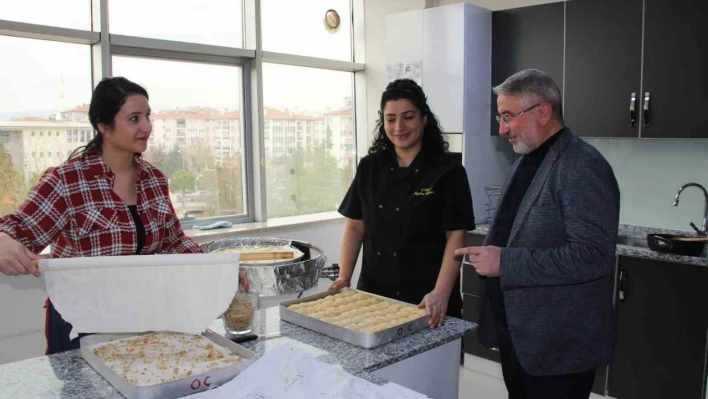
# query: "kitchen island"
427,362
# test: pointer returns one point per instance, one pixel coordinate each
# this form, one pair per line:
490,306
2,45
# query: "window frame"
250,58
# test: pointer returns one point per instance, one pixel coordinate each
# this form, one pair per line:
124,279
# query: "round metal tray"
281,278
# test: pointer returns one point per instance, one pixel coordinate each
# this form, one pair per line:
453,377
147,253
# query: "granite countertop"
67,375
639,232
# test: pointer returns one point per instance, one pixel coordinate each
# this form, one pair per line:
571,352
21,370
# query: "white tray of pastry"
164,364
353,316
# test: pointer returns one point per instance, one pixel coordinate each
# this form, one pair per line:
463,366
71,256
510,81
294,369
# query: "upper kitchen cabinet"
528,37
675,74
450,44
603,61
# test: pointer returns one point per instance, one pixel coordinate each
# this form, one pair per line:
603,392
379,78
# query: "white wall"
375,12
22,298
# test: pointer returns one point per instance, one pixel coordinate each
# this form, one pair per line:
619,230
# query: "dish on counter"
155,358
297,254
358,311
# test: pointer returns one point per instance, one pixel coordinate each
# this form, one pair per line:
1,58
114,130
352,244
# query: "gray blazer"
555,270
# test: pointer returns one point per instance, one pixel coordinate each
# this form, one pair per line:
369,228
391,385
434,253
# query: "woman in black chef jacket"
410,206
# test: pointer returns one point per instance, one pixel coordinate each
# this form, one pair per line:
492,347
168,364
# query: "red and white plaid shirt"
74,208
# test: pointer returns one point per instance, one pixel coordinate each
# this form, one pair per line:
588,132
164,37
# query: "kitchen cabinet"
471,303
662,327
674,71
453,47
527,37
603,59
629,68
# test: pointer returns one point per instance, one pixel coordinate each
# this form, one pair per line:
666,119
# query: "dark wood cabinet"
662,327
603,61
675,73
627,68
470,312
522,38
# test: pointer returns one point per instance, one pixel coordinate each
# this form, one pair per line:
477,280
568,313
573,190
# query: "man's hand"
486,260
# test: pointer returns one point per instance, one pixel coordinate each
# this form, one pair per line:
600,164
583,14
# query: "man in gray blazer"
545,267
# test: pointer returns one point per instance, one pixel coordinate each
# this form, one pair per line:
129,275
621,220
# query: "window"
190,56
298,27
74,14
216,22
202,177
44,78
313,178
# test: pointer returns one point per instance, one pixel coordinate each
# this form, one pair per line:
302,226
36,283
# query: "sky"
44,76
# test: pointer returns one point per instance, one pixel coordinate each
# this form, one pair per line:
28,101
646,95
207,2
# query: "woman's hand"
340,283
15,258
435,304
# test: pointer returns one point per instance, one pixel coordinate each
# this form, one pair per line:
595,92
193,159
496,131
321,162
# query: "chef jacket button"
394,254
416,171
396,209
398,294
380,206
378,253
391,168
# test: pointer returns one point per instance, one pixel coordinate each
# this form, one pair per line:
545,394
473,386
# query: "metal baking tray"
364,340
172,389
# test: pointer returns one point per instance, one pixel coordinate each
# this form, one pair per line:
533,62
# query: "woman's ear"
102,128
425,120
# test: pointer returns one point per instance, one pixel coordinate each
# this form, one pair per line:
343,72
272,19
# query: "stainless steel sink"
634,242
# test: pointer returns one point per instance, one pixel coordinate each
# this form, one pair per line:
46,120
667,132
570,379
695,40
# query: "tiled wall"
650,172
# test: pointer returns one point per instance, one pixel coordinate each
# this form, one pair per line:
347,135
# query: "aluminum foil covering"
278,279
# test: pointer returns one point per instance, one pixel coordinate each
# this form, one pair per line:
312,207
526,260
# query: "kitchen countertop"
639,232
67,375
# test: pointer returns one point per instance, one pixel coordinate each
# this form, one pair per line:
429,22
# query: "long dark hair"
108,97
433,141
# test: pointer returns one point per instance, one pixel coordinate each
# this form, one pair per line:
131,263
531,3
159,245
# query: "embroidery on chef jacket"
424,191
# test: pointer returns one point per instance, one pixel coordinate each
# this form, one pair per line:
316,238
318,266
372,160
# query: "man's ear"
545,112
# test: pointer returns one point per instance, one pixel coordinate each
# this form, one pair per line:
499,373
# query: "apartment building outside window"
198,62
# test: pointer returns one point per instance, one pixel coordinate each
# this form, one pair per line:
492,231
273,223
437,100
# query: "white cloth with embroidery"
288,372
115,294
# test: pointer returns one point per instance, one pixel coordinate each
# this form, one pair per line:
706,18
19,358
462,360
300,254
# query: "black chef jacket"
406,213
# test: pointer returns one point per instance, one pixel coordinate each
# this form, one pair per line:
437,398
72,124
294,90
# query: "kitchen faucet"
704,228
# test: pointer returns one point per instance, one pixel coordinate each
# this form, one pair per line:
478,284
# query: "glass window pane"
216,22
298,27
75,14
309,139
197,134
46,88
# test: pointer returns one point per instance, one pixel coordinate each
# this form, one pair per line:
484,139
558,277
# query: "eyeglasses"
508,117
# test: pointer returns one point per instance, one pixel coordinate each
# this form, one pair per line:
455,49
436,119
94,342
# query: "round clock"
332,21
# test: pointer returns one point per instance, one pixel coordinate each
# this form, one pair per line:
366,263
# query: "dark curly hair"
433,141
108,97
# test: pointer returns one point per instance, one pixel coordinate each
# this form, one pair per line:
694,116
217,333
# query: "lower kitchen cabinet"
662,329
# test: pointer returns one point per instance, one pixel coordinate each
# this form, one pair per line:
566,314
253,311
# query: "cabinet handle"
623,285
632,110
647,97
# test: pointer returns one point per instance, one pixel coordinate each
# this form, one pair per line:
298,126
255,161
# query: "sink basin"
633,242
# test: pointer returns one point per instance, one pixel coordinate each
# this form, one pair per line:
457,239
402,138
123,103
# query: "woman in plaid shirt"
106,200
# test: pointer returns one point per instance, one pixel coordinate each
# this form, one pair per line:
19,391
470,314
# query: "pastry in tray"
155,358
245,249
358,311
